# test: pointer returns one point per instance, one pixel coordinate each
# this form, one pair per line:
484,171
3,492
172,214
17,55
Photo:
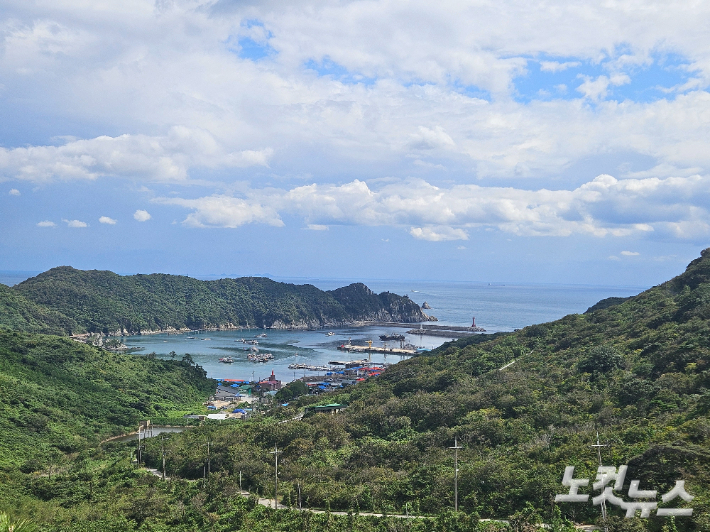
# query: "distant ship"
226,360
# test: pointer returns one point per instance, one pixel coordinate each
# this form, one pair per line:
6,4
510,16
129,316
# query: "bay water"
497,307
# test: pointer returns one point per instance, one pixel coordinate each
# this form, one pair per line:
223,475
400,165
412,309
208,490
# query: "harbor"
448,331
351,348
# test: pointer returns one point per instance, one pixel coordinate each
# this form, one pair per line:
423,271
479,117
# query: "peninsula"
68,301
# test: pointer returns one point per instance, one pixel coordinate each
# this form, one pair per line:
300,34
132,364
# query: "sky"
537,142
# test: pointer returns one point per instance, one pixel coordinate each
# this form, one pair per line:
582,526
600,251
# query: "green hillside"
522,405
58,396
20,314
104,302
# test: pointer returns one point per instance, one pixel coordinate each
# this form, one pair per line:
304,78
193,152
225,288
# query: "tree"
601,359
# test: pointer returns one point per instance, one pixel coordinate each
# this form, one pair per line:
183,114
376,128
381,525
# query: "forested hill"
523,406
58,396
76,301
20,314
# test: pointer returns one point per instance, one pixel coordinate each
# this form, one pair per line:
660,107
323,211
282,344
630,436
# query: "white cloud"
165,76
166,81
224,211
605,206
46,223
630,253
166,158
317,227
431,139
14,192
75,223
141,215
107,220
438,234
555,66
597,89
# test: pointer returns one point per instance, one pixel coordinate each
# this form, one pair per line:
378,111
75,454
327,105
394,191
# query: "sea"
497,307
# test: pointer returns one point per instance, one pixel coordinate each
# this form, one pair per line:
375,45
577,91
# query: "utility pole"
139,446
456,448
162,450
276,453
599,455
209,459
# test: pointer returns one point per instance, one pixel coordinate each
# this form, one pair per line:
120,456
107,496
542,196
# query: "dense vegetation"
637,372
77,301
20,314
58,396
523,406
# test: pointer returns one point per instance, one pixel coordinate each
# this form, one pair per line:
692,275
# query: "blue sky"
487,141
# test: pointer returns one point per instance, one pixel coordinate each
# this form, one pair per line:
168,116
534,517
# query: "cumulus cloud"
224,211
159,158
14,192
429,139
141,215
107,220
169,76
75,223
438,234
596,89
605,206
46,223
556,66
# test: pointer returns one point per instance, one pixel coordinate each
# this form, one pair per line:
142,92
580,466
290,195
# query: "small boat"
262,335
331,333
190,337
226,360
260,357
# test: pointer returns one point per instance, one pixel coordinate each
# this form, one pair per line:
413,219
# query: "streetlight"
456,448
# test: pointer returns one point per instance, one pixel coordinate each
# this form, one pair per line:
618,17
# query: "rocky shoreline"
98,338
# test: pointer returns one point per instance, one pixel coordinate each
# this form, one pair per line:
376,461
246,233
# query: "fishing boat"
259,357
226,360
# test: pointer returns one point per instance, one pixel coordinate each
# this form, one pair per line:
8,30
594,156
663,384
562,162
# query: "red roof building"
271,383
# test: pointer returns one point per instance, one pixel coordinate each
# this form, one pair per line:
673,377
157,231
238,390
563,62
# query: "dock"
349,363
367,349
447,331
